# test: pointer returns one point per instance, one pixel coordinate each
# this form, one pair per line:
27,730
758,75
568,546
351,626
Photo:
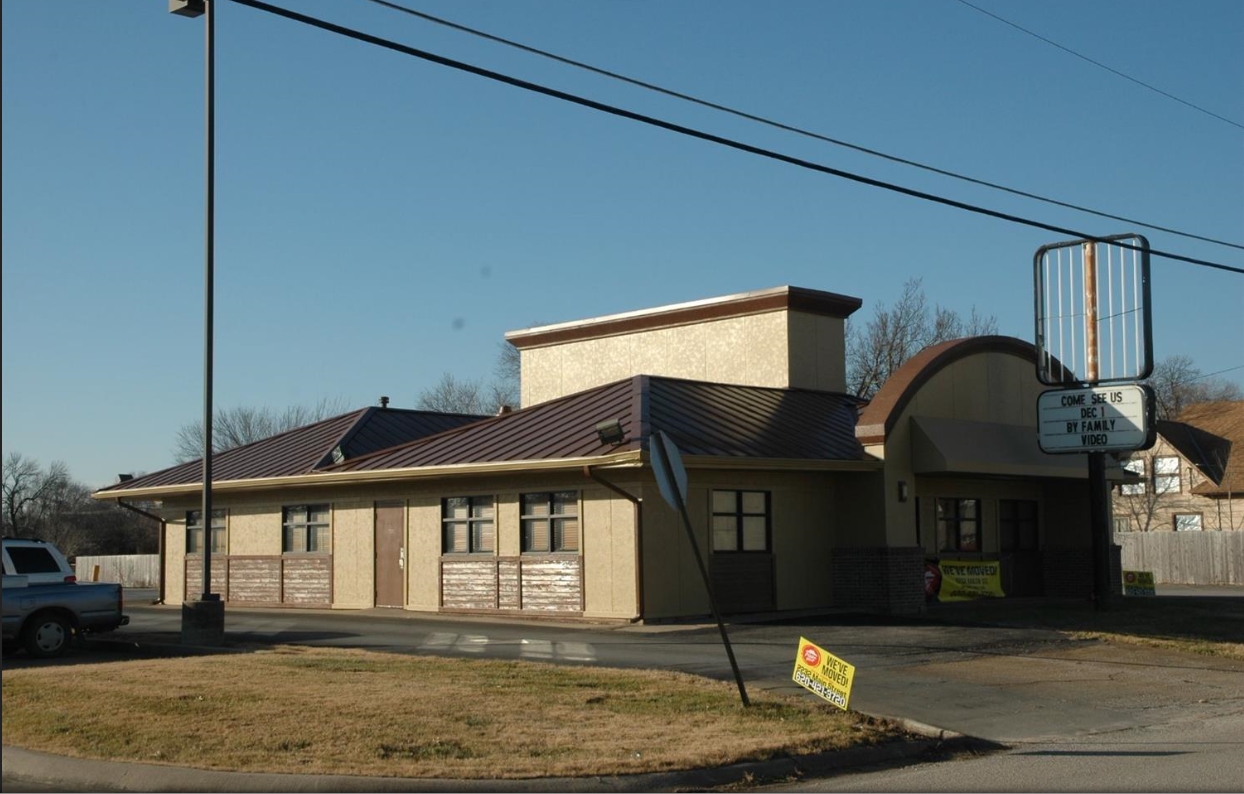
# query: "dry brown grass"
324,711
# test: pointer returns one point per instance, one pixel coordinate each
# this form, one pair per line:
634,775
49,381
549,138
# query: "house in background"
800,501
1193,477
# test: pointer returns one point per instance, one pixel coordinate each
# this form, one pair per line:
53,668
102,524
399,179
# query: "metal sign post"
1108,333
672,480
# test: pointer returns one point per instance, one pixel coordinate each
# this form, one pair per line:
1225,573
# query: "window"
740,520
194,532
1166,475
958,524
304,528
1017,524
467,523
1187,522
1123,525
550,521
28,560
1135,467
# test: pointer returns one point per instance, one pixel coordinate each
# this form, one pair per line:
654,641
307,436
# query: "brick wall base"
885,580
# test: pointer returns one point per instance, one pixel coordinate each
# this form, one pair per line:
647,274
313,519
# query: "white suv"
37,560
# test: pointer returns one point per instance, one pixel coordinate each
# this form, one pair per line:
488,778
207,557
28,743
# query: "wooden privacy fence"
1185,557
131,570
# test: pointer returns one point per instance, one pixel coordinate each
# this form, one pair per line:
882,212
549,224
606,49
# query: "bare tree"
28,492
895,334
48,504
465,396
1178,383
240,425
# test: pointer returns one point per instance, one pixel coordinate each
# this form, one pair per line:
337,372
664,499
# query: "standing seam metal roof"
703,419
306,449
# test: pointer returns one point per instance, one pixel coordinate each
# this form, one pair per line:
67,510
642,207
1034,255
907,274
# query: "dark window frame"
303,523
194,531
954,521
1166,477
472,521
739,515
549,501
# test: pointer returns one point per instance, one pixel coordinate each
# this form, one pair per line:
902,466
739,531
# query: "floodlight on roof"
610,432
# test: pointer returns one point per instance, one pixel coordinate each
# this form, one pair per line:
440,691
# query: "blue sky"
382,220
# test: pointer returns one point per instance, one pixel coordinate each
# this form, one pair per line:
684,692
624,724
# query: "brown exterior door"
390,554
1021,548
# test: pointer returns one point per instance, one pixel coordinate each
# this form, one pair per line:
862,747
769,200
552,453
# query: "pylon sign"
1096,419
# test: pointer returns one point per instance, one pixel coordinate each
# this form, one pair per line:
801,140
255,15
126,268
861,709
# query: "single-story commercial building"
802,497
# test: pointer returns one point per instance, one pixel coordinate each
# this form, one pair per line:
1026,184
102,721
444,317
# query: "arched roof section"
878,417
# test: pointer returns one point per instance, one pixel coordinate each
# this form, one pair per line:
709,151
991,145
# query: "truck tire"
47,635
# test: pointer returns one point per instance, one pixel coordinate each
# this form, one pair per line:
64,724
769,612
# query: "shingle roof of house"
1207,434
703,419
306,449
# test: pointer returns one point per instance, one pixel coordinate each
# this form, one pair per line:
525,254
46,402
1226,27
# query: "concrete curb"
65,773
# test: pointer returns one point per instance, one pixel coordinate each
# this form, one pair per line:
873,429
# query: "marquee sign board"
1096,419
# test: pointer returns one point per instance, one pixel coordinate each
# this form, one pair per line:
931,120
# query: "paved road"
1003,684
1199,755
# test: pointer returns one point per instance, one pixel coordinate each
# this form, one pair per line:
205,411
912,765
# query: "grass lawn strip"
345,711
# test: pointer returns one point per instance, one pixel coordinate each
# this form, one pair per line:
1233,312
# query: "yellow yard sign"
1138,583
821,673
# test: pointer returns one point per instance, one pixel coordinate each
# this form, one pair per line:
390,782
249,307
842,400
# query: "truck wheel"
47,636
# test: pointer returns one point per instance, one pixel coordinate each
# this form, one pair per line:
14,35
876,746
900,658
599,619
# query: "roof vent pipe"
503,410
384,402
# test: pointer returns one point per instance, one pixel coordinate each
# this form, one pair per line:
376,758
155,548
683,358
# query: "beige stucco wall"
986,387
423,553
254,529
805,521
354,560
607,523
175,561
817,352
776,349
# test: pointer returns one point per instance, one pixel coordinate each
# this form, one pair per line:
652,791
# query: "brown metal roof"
305,449
703,419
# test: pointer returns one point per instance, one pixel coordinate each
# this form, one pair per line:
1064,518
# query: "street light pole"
203,620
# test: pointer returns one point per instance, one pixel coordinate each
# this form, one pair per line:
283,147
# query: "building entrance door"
390,554
1021,548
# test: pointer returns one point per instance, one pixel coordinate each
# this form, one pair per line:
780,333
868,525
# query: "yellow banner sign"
821,673
1138,583
963,580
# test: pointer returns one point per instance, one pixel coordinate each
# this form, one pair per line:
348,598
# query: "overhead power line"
788,127
701,135
1101,65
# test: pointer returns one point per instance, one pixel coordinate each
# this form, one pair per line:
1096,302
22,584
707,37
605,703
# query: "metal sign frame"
1080,305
